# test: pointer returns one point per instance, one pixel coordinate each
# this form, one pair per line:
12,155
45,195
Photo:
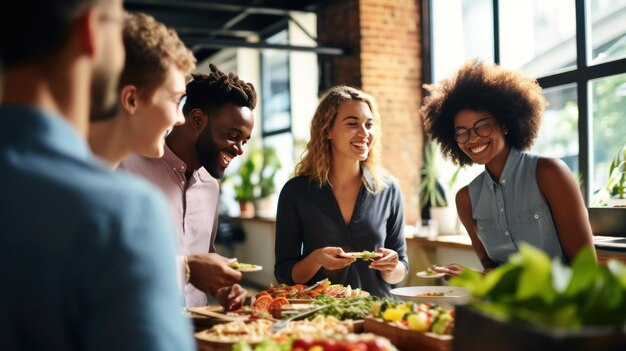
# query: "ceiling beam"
194,6
199,44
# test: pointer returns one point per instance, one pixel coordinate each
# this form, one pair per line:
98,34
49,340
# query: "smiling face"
486,140
353,131
157,113
228,129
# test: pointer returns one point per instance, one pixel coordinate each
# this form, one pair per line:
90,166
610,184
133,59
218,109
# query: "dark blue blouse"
309,218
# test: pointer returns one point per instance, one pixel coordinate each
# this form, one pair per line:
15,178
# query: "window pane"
276,99
558,134
609,129
535,39
608,30
461,30
283,144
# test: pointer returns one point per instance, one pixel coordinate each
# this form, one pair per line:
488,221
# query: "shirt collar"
179,166
35,126
368,181
509,167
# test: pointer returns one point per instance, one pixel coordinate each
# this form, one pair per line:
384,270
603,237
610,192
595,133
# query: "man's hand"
210,272
231,297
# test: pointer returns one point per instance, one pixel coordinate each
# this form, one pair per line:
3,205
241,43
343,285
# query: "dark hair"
31,29
208,92
513,99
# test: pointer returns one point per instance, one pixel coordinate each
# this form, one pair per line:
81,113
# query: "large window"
577,51
276,120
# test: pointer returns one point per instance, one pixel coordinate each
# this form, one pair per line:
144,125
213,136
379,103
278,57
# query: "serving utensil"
284,323
315,285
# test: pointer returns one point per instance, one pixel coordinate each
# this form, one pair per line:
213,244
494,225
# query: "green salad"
345,308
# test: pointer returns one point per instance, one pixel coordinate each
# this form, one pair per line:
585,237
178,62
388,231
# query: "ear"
87,26
129,98
329,135
197,119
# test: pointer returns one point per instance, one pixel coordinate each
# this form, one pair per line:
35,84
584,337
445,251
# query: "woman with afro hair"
489,115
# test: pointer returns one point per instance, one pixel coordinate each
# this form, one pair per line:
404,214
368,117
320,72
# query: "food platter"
447,295
216,312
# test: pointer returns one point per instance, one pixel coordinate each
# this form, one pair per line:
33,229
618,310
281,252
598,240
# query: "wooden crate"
476,331
406,339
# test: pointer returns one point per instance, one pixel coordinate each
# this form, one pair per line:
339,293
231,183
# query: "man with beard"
218,122
88,255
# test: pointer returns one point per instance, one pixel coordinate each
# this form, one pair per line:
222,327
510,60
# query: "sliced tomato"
263,302
262,293
276,308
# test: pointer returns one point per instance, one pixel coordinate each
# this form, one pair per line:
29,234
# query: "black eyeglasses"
462,134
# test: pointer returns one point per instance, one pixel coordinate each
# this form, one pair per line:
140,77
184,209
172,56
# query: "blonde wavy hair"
316,162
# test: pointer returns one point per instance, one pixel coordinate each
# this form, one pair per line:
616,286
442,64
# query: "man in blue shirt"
88,255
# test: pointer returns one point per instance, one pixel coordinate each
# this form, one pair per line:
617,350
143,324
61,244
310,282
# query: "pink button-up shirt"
193,205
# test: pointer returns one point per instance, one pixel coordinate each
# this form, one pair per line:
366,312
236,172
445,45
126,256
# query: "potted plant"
244,190
255,186
432,193
264,203
616,185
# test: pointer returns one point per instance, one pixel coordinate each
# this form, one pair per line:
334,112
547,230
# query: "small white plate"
256,268
424,274
452,295
361,255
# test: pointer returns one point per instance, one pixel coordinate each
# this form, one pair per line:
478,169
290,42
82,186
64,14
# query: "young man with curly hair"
150,91
489,115
218,122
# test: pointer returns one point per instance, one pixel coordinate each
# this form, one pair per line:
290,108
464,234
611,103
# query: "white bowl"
452,295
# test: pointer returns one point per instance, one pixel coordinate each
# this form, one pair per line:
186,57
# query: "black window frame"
604,220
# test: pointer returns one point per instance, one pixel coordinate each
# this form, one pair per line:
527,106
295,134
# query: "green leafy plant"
532,288
430,188
256,174
616,185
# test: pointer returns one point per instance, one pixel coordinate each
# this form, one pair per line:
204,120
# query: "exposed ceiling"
208,26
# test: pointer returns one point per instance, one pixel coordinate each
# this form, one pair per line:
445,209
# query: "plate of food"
245,267
448,295
430,272
364,255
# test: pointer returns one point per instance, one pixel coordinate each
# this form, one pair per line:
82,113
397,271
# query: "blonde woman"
341,200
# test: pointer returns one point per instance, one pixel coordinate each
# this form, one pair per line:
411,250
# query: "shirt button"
536,216
506,233
181,168
503,181
502,209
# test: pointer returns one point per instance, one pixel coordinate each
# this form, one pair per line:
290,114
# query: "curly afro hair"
514,101
211,91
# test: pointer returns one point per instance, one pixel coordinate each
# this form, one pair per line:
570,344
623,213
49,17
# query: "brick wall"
383,40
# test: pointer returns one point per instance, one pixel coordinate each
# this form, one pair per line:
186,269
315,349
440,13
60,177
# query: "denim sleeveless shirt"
513,210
